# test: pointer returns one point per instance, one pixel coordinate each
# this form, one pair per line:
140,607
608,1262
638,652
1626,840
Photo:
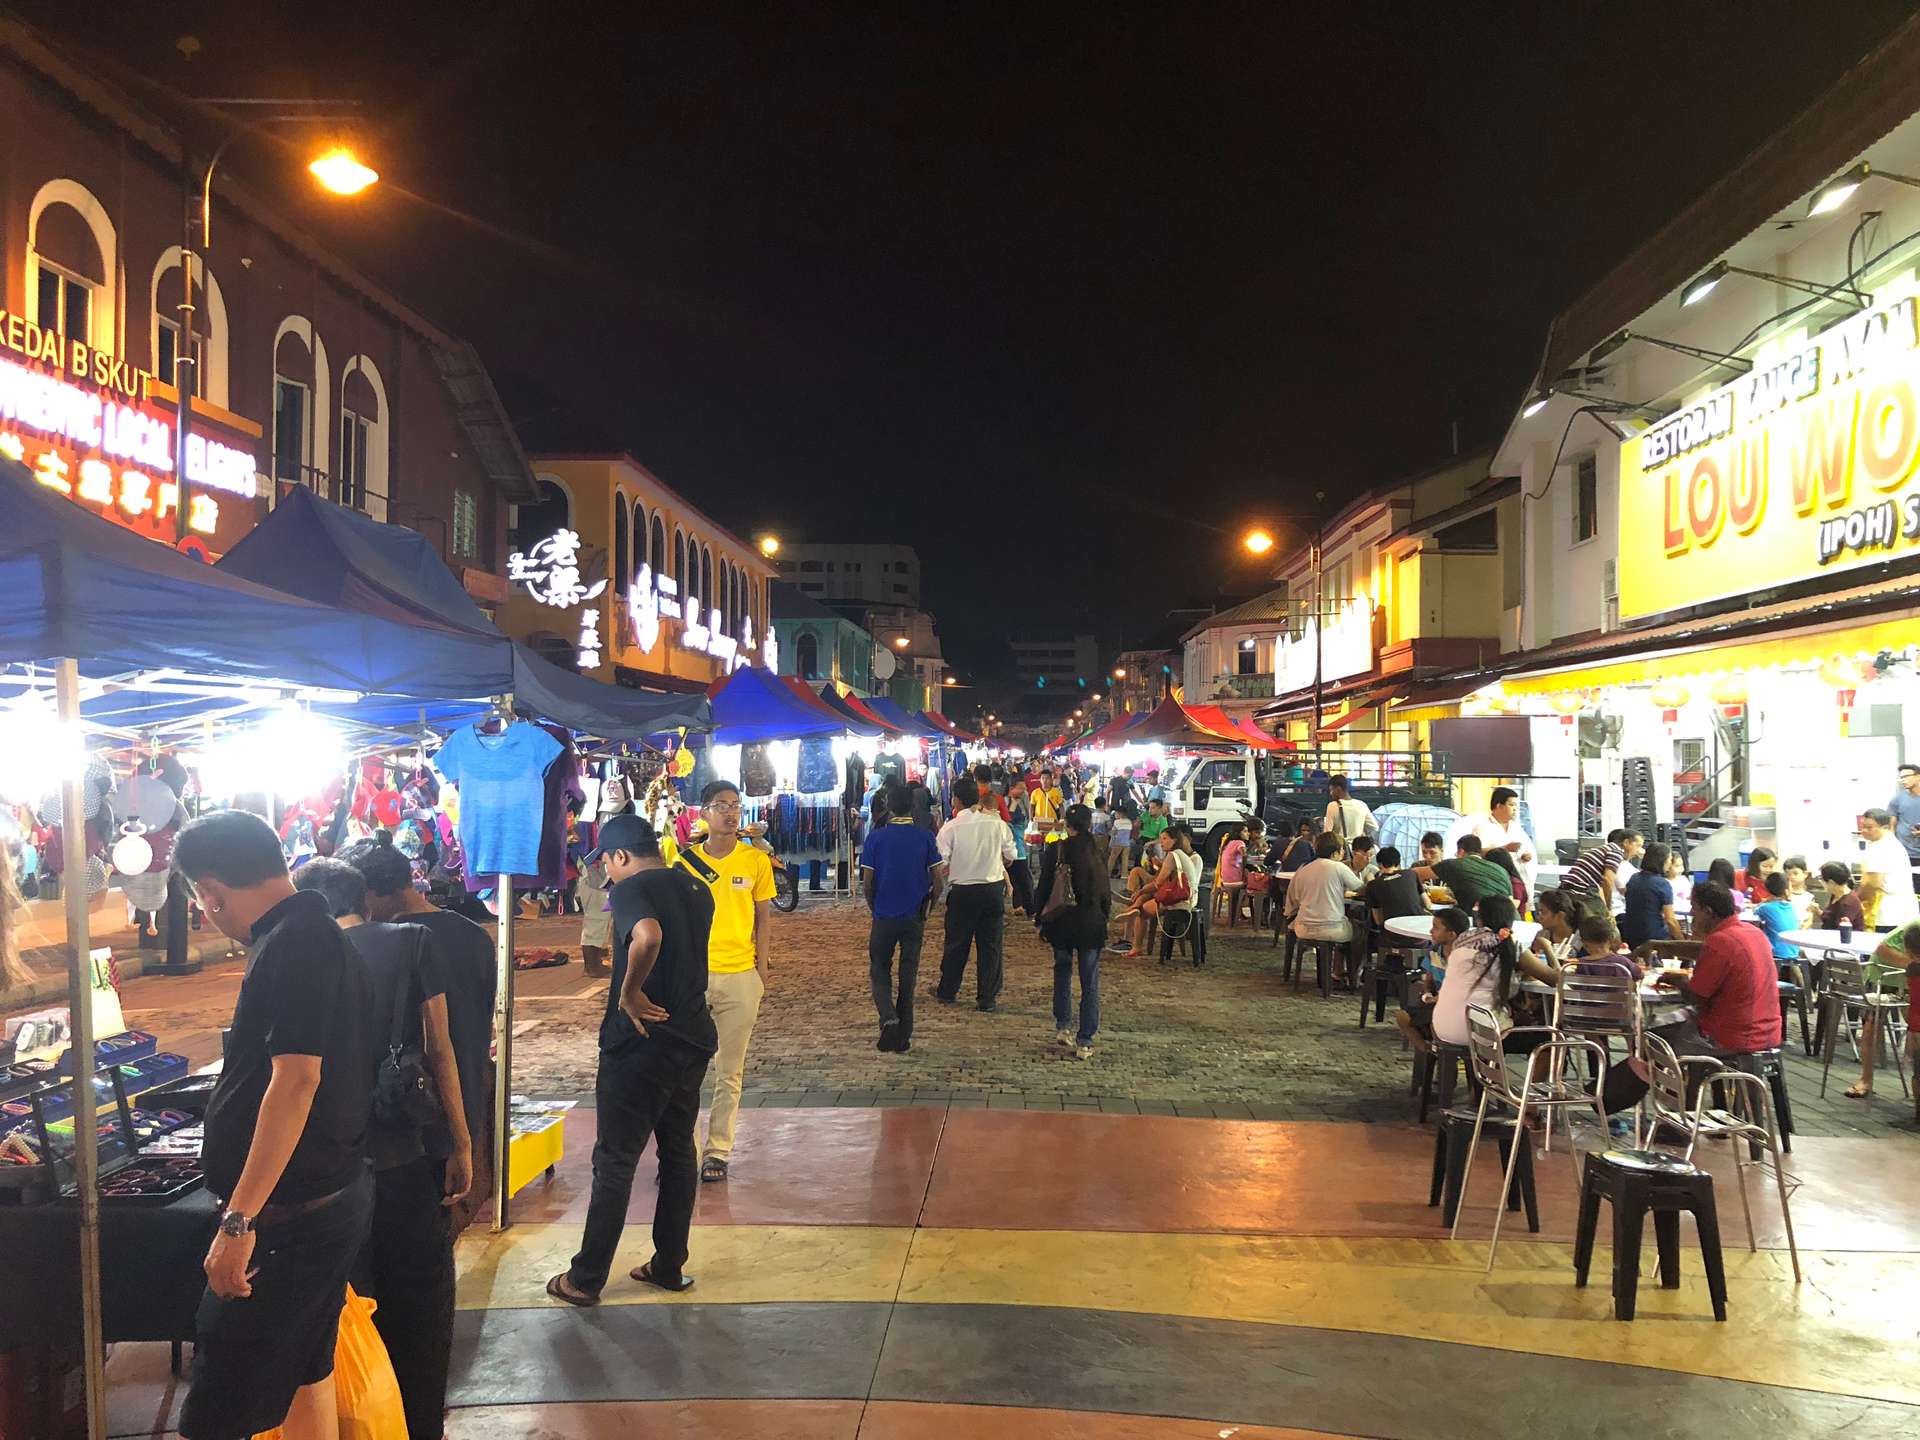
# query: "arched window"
301,385
680,563
73,264
552,511
209,351
657,550
706,578
640,556
726,597
621,575
360,471
806,656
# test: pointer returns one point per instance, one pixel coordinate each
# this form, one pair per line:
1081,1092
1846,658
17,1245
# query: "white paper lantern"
132,854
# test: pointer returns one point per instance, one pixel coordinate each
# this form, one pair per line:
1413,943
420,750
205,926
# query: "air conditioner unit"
1610,596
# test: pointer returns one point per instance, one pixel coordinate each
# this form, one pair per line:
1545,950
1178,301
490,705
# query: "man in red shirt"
1734,985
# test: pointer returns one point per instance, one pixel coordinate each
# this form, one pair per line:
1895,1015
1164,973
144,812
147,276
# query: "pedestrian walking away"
740,879
1076,928
657,1037
900,876
976,847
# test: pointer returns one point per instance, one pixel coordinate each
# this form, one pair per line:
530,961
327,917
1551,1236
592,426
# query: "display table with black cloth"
150,1275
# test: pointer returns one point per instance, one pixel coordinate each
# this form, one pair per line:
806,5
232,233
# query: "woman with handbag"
1169,884
1074,904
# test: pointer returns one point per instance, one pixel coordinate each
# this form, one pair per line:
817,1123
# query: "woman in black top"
1077,933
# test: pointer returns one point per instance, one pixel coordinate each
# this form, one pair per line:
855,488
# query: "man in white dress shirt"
976,847
1499,829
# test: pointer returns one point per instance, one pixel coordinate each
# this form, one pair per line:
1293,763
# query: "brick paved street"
1226,1040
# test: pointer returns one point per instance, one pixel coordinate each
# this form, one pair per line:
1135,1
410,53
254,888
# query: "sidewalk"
43,946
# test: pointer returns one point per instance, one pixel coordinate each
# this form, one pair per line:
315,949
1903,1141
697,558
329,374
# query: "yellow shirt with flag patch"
740,881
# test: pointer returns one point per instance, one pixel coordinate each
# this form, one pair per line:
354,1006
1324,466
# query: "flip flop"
644,1274
1855,1092
561,1289
713,1169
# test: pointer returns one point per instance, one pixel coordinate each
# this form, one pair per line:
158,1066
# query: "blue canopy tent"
857,724
910,724
323,552
751,705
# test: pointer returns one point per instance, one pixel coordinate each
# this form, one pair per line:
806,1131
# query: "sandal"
713,1169
1858,1092
560,1287
644,1274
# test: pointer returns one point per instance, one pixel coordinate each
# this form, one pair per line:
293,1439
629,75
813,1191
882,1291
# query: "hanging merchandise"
817,772
855,790
756,770
889,766
502,795
682,763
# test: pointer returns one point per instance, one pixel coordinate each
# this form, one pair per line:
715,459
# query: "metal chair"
1544,1087
1599,1008
1745,1112
1845,989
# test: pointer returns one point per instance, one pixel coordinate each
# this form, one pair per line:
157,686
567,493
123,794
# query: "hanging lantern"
1568,703
1730,690
133,852
1671,696
1842,672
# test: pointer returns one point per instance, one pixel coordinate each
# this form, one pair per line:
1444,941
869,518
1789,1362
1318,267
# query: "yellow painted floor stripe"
732,1264
1814,1336
1819,1335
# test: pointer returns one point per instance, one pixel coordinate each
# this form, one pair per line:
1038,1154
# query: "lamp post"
337,171
1258,542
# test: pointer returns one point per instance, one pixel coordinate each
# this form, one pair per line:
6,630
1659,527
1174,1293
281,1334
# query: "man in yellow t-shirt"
741,879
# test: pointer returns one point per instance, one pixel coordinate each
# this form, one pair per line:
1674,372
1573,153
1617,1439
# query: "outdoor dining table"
1420,927
1861,942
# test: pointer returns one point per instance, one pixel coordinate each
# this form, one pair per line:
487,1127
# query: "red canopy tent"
940,722
1215,718
1173,724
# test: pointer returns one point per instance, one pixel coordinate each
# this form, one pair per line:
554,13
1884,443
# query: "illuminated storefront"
613,573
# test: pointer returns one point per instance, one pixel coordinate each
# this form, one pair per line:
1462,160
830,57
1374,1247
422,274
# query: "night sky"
1060,294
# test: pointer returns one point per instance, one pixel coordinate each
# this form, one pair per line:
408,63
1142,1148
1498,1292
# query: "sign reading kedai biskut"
1803,465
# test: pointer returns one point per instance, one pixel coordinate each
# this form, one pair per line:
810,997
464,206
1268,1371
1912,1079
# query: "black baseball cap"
626,832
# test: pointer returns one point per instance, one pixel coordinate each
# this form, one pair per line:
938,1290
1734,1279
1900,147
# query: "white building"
872,574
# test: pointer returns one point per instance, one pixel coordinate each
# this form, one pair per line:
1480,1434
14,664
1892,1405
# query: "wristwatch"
234,1224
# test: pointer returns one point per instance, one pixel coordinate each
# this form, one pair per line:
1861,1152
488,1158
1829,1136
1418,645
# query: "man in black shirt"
469,969
655,1041
406,1266
285,1143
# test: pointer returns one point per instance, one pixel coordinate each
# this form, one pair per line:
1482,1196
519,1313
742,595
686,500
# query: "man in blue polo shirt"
901,876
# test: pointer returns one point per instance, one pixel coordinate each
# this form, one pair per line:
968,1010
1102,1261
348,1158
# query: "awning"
1438,700
1354,712
859,722
1812,646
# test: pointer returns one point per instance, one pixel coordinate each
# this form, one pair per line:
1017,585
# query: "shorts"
252,1354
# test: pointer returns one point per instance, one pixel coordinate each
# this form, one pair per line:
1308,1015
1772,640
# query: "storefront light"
291,753
37,752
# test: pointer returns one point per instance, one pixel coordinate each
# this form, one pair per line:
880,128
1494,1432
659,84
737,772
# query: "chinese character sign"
550,570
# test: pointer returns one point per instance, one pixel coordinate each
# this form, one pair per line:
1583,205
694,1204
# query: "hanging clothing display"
855,790
889,766
817,773
502,780
756,770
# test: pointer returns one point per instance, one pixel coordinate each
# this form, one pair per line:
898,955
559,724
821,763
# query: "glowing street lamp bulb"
1837,191
1119,672
769,545
1258,542
950,680
339,171
900,642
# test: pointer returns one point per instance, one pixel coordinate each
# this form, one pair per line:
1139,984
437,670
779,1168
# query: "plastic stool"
1770,1066
1636,1182
1449,1060
1450,1140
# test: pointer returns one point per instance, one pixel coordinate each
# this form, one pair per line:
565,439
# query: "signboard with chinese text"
1804,465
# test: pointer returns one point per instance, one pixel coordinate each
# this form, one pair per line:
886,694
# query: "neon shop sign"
657,597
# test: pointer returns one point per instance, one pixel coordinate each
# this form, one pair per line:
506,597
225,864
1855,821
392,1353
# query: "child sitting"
1415,1015
1600,952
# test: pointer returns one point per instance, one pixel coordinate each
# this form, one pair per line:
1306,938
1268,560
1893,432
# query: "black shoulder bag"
403,1093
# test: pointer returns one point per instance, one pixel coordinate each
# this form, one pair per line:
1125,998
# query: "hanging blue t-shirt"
503,797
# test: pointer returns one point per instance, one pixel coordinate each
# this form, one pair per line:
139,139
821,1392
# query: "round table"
1420,927
1649,994
1864,942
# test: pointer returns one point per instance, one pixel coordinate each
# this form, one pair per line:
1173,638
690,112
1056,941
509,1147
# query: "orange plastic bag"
365,1392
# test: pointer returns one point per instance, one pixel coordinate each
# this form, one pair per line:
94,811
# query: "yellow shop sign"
1801,466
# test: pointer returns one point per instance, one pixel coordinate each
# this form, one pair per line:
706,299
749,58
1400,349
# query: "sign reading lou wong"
87,425
1801,466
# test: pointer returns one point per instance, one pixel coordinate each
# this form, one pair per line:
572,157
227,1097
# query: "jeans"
649,1087
407,1267
1064,957
907,933
974,912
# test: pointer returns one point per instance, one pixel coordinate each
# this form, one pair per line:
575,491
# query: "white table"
1548,877
1864,942
1649,994
1420,927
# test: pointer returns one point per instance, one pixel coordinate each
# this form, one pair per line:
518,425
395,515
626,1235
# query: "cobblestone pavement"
1226,1040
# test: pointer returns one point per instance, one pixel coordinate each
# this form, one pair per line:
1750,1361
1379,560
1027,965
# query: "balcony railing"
1242,687
332,487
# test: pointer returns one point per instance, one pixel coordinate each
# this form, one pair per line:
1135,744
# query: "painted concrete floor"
921,1272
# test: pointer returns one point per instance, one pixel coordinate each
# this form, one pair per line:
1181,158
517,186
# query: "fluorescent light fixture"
1837,191
1702,285
1535,404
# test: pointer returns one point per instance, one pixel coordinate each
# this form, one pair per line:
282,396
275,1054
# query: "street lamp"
1119,672
1257,541
900,642
769,545
337,170
950,680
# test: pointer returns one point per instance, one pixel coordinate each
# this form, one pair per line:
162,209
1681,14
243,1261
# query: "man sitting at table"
1469,875
1896,964
1734,986
1317,897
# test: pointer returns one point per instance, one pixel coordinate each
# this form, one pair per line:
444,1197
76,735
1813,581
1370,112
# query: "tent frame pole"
86,1157
503,1052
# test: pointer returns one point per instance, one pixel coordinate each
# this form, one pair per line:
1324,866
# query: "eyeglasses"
723,805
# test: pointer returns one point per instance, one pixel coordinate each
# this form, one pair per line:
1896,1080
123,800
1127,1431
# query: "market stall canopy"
752,705
339,557
807,696
1173,724
890,712
1214,718
940,722
1111,732
857,722
75,585
865,711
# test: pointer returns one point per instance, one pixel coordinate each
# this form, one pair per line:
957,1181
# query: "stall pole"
503,1052
86,1159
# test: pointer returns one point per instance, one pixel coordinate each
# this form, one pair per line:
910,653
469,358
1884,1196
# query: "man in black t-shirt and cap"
285,1147
655,1042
